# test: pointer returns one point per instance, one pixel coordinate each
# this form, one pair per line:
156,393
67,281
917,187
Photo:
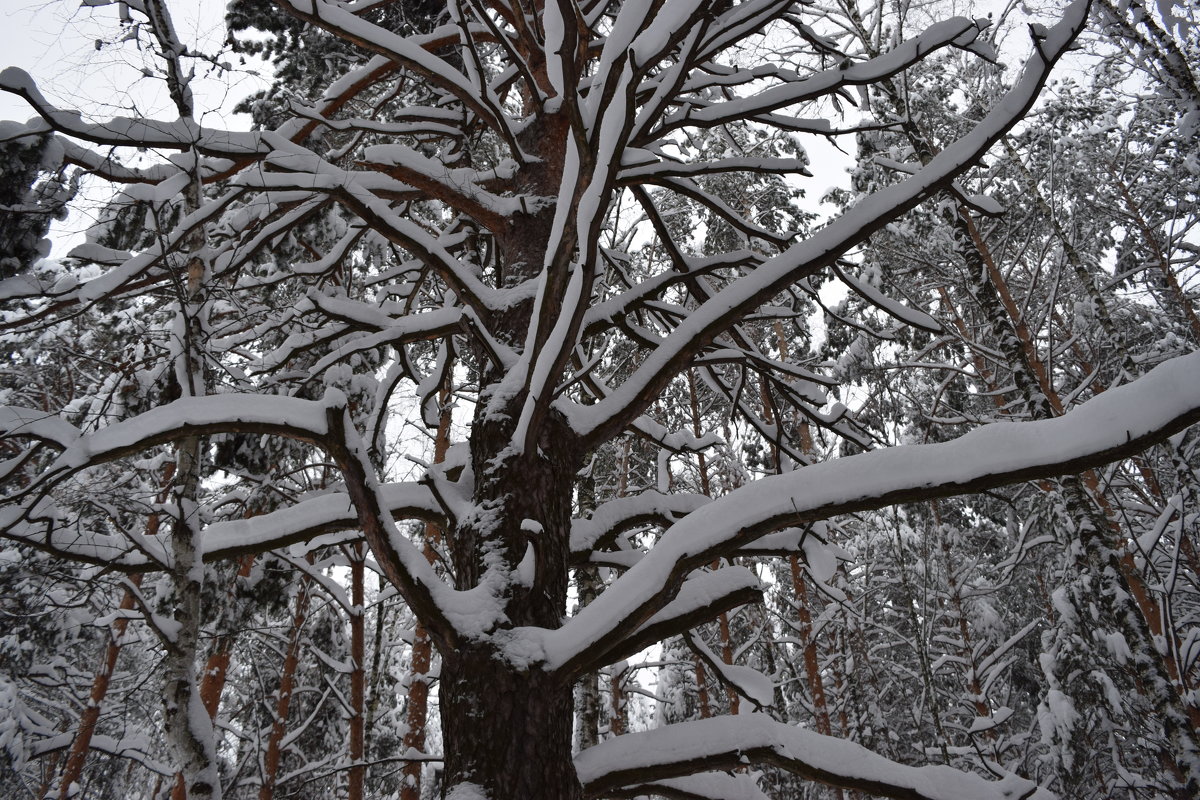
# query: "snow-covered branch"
728,742
1117,424
806,258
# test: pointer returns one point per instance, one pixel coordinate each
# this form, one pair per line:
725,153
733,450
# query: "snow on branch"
180,134
1117,424
702,786
307,519
616,516
957,31
732,303
702,597
405,52
191,416
728,742
447,613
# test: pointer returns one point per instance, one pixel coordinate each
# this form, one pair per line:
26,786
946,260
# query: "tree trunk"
283,698
812,669
588,585
506,730
217,666
81,745
358,674
507,726
422,647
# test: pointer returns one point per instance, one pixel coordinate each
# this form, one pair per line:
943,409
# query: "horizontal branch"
701,786
1115,425
622,514
328,513
701,599
728,742
180,134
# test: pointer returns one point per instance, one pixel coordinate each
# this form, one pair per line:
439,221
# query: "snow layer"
689,747
992,455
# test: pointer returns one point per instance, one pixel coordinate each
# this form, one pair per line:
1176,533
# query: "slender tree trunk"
378,645
723,617
70,785
82,742
217,665
358,674
588,585
189,730
617,708
702,700
812,669
422,648
283,698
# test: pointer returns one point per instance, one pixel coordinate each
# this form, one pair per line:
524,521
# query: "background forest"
1011,631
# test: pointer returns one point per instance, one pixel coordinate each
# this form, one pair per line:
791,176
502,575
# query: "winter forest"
508,411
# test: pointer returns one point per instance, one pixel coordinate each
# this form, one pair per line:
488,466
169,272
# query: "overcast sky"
83,59
77,57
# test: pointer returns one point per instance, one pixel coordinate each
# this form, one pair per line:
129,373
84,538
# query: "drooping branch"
323,424
702,598
621,514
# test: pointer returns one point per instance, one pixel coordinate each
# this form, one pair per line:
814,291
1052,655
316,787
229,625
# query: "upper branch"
742,296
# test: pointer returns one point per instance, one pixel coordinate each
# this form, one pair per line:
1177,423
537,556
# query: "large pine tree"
562,240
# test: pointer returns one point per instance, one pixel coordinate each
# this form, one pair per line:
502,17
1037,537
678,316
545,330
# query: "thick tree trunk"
507,731
506,726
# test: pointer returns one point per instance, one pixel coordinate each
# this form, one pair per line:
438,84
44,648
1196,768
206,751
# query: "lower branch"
728,742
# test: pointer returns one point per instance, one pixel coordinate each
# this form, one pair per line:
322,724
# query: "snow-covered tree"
567,219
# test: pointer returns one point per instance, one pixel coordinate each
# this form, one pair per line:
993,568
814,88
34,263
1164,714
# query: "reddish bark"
812,669
213,681
91,715
283,698
422,648
80,746
358,674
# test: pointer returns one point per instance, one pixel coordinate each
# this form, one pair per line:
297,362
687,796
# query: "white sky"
56,42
